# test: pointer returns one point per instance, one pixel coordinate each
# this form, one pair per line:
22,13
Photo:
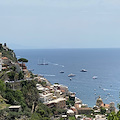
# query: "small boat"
70,79
31,69
61,71
83,70
41,75
95,77
71,75
43,63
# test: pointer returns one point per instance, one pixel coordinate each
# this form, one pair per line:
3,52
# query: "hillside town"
52,95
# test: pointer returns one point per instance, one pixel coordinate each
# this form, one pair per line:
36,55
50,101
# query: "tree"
113,116
2,87
102,110
16,76
21,75
30,93
22,60
11,75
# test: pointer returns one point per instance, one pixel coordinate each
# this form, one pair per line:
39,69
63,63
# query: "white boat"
95,77
71,75
83,70
41,75
31,69
61,71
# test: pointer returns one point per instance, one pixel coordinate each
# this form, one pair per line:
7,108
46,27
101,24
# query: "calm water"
104,63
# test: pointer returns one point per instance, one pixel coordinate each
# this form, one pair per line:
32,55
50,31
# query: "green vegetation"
8,53
23,60
114,116
72,118
27,97
69,103
102,110
22,93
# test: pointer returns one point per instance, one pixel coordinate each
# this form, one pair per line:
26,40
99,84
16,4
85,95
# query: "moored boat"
83,70
71,75
61,71
43,63
95,77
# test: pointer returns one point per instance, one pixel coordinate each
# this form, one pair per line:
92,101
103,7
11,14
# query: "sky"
41,24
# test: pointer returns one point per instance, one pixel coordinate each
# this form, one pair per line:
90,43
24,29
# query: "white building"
63,88
46,97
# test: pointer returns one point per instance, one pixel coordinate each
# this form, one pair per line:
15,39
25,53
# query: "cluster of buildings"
108,107
56,96
4,62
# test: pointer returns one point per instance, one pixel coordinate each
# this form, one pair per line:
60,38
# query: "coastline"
90,60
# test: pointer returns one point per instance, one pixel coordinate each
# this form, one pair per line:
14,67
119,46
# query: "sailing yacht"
43,63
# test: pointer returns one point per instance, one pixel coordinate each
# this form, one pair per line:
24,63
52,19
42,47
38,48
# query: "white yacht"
95,77
71,75
83,70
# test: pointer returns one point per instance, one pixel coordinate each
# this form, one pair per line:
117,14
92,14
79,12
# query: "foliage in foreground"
114,116
27,97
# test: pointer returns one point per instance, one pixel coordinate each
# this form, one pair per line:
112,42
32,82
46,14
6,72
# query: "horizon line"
60,48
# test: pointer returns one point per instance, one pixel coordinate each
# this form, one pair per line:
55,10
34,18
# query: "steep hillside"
6,52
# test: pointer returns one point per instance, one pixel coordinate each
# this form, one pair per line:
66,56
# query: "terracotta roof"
4,58
63,91
48,87
105,105
85,108
4,68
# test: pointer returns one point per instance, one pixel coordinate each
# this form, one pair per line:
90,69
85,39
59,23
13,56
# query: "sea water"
103,63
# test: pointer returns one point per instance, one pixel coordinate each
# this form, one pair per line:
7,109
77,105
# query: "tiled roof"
4,58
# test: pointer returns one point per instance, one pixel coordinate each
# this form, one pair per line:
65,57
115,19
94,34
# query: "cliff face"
6,52
10,69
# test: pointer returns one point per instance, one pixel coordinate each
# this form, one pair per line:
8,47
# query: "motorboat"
61,71
71,75
83,70
31,69
41,75
95,77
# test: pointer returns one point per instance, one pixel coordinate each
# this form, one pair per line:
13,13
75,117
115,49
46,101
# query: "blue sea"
103,63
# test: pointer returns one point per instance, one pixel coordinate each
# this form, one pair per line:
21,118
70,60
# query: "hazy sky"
60,23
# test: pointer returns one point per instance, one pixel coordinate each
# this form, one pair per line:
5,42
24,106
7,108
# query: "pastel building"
57,103
64,89
44,98
57,93
5,60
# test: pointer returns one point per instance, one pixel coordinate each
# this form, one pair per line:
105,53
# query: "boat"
43,63
83,70
41,75
95,77
31,69
61,71
71,75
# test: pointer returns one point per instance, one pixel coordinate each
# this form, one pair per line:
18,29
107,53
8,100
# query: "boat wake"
57,64
109,89
48,75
